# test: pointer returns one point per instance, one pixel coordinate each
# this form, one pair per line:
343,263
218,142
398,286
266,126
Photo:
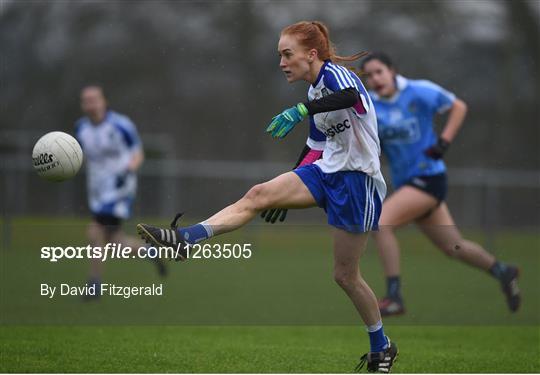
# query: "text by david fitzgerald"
101,290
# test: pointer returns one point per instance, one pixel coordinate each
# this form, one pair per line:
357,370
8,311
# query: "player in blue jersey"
113,153
346,182
405,110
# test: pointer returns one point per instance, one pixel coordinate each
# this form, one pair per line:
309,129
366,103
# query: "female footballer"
346,181
405,110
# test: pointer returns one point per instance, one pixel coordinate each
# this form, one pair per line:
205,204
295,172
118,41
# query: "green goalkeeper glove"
283,123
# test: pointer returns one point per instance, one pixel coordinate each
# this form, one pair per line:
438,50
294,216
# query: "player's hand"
438,149
271,215
283,123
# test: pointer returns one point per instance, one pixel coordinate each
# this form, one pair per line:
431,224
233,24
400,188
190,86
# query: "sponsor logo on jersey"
338,128
400,132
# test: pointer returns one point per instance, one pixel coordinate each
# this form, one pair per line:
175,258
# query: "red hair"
315,35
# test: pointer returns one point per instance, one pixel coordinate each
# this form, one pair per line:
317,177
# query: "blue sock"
196,233
377,340
393,286
498,270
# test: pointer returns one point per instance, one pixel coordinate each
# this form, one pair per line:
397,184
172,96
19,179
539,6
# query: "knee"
256,198
345,280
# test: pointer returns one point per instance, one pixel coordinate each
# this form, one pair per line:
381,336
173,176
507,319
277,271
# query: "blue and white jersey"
406,127
348,137
108,148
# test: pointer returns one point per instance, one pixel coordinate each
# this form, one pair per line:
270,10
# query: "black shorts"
110,222
436,185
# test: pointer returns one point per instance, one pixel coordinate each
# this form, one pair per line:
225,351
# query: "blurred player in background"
113,154
346,182
405,110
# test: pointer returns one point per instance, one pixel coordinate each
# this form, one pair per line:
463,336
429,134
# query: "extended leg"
284,191
442,231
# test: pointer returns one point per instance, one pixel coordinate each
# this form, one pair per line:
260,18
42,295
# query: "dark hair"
315,35
381,56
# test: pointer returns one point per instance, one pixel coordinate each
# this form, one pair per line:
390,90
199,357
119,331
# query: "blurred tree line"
207,74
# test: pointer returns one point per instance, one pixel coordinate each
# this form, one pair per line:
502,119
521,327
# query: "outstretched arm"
283,123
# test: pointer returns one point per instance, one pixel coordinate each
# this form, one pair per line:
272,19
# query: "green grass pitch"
280,349
278,312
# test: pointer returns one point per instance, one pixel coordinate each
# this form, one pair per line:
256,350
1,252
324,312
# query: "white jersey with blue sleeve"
406,127
348,137
108,148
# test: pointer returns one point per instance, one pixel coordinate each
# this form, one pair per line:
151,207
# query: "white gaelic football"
57,156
